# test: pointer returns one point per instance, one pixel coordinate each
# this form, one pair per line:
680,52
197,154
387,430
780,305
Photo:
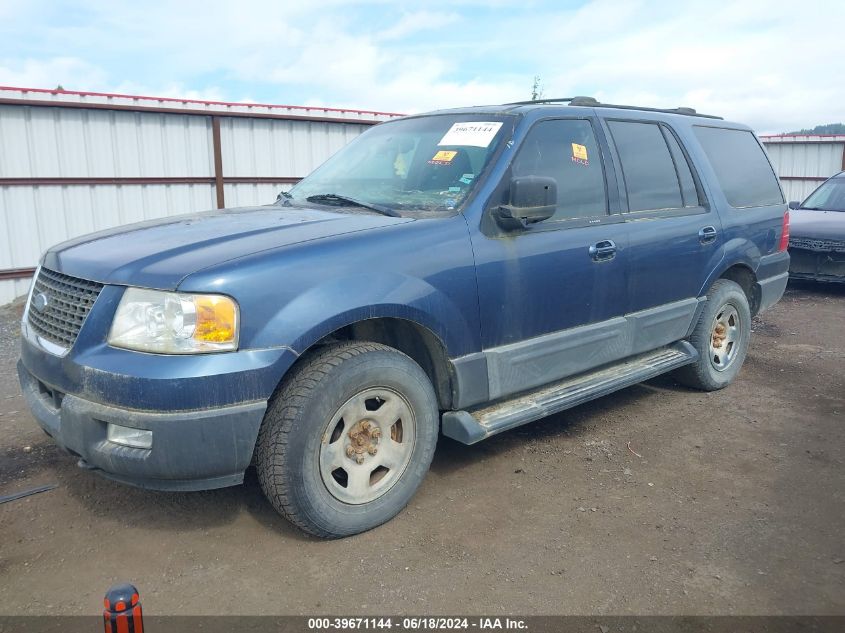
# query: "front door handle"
707,235
603,251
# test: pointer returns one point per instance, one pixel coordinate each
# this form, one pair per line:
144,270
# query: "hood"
160,253
826,225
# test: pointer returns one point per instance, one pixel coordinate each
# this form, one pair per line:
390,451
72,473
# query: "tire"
720,359
321,462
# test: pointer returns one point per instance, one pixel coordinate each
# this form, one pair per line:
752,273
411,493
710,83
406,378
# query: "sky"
775,65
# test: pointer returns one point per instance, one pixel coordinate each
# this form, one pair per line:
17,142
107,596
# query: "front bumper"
191,450
817,265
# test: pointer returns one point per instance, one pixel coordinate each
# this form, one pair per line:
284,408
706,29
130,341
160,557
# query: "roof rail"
568,100
591,102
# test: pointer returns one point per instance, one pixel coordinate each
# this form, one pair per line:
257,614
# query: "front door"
552,295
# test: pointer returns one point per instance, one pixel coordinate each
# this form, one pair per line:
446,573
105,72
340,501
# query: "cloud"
411,23
49,73
744,60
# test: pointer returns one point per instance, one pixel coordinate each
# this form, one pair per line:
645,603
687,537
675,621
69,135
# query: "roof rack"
591,102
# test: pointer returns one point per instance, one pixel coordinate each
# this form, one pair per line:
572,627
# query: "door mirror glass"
532,199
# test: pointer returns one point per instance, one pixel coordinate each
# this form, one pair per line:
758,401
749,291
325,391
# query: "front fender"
343,301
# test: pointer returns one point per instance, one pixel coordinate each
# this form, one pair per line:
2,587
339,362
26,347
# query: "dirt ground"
733,506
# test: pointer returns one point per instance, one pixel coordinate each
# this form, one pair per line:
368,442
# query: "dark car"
817,233
465,272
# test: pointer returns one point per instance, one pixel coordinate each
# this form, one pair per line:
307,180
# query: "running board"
475,425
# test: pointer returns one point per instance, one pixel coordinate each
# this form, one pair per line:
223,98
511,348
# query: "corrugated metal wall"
72,163
803,162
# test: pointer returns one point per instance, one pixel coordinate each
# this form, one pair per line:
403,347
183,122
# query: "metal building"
76,162
803,162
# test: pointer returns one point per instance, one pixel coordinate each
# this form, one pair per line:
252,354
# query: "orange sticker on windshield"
579,154
443,157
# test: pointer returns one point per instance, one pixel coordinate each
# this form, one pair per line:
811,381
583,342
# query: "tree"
829,128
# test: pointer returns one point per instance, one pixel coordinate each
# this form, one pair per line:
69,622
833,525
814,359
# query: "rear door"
674,234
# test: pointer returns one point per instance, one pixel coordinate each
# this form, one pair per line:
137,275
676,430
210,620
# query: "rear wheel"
347,439
721,338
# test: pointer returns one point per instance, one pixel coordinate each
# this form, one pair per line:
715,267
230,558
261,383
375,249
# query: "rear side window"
566,150
741,167
655,177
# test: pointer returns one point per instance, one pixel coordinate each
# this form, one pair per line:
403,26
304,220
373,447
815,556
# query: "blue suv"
465,272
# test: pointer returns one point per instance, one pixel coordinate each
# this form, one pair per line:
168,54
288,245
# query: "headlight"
175,322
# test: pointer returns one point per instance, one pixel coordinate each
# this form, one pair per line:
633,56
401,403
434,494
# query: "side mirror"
532,199
794,204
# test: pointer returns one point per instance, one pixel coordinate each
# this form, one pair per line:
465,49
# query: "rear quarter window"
741,166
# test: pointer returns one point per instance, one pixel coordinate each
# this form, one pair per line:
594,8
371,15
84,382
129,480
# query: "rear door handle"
603,251
707,235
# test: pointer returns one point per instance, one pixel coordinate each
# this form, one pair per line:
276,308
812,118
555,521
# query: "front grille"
811,244
67,301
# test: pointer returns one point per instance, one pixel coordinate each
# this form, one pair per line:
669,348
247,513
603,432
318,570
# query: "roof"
803,138
41,96
568,105
591,102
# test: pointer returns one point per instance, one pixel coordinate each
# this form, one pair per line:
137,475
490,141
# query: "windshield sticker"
443,157
472,133
467,178
579,154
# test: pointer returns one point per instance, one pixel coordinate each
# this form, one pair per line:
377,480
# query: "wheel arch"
739,261
745,278
406,335
415,340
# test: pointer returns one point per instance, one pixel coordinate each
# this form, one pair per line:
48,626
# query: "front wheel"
721,338
348,439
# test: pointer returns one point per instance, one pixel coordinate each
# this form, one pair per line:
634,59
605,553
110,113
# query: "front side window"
653,175
566,150
428,163
741,166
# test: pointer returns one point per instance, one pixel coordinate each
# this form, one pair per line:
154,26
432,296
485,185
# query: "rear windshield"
741,166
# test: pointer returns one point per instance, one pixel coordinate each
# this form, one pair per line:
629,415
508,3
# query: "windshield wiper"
333,197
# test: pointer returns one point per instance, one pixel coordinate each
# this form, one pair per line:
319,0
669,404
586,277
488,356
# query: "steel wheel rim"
367,445
725,337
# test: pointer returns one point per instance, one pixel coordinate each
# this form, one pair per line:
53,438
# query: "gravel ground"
732,505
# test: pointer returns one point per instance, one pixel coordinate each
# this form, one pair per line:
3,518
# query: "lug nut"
350,451
372,450
375,433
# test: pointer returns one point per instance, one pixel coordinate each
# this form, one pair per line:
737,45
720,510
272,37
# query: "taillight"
784,233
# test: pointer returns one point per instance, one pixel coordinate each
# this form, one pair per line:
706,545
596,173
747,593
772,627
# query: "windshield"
428,163
828,197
